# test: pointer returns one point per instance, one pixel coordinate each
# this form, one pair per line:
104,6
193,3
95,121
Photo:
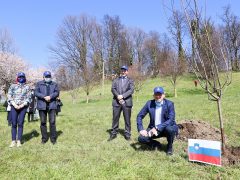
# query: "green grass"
82,151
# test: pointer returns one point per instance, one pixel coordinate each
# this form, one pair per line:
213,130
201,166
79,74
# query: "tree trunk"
103,78
73,100
73,97
236,60
175,91
87,98
232,62
221,124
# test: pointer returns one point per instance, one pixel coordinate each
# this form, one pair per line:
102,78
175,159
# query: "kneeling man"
162,120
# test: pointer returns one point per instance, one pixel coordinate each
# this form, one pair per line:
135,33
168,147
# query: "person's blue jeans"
17,117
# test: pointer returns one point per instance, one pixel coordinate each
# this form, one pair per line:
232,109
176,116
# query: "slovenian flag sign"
204,151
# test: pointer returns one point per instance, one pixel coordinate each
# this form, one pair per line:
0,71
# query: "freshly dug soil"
196,129
231,156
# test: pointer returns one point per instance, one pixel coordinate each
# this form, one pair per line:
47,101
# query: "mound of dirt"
195,129
190,129
231,156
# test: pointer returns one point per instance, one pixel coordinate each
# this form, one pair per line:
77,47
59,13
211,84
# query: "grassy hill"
82,151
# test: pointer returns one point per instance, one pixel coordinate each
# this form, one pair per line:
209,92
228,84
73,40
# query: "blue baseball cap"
21,74
125,68
47,74
158,90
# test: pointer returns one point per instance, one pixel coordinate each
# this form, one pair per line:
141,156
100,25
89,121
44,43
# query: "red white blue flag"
204,151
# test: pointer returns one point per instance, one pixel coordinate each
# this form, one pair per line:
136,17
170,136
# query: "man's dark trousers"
52,121
127,118
168,132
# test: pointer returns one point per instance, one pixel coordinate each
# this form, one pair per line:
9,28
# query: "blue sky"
33,24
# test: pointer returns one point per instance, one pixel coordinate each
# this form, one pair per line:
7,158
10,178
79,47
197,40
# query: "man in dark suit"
162,121
122,90
47,92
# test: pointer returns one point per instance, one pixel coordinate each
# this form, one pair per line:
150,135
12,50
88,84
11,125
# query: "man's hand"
154,131
121,101
120,97
47,98
144,133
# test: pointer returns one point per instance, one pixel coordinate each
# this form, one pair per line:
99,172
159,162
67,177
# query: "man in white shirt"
162,120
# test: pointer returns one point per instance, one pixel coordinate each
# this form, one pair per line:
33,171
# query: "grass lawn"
83,152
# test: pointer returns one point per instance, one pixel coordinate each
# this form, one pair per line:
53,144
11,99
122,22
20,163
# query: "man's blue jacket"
41,92
167,117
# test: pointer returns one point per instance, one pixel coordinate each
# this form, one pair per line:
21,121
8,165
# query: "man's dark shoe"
169,151
112,136
43,142
128,138
54,142
156,146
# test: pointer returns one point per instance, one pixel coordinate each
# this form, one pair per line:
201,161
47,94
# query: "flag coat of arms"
204,151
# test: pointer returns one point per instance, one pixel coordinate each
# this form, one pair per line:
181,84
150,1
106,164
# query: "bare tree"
171,63
177,28
60,74
89,80
7,44
166,50
152,48
139,78
74,51
72,41
68,79
139,37
206,34
112,32
97,43
231,35
126,51
220,78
